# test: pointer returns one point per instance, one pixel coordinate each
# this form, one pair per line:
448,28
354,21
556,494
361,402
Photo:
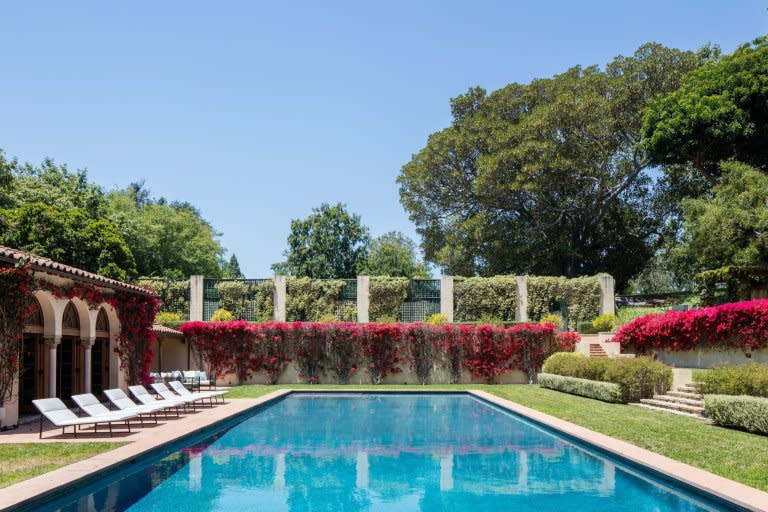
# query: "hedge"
746,379
385,296
743,412
237,296
341,349
605,391
476,298
316,300
738,325
638,377
581,294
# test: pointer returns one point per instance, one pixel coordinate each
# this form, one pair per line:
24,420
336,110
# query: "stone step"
685,394
672,411
679,400
691,409
688,388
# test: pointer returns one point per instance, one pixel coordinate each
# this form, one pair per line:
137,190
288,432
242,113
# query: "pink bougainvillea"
737,325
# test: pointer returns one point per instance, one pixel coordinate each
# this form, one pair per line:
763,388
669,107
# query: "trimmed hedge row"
605,391
745,379
743,412
638,377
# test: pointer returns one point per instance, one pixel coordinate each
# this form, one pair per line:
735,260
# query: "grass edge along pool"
155,460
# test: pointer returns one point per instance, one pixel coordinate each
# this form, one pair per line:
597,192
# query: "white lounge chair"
120,400
162,390
197,379
179,388
91,406
56,411
146,398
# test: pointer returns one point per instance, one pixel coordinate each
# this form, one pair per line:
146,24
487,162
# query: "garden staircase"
685,401
596,350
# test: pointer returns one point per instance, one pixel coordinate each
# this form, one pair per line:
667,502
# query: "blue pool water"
383,452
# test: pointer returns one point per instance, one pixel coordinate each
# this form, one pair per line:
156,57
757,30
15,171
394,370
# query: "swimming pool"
381,452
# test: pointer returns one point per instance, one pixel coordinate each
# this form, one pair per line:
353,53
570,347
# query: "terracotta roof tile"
47,265
161,329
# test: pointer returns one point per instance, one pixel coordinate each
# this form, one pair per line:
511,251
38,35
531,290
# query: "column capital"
87,343
52,341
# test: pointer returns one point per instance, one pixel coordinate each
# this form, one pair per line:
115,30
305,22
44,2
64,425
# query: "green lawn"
25,460
736,455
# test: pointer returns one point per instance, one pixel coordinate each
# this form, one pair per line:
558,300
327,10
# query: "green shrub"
222,315
743,412
311,299
586,327
478,297
437,319
605,391
638,377
386,295
606,322
167,318
554,318
745,379
232,296
581,295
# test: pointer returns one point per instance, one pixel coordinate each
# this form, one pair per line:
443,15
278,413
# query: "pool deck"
143,440
140,441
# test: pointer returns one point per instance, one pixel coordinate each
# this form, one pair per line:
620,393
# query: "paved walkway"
139,441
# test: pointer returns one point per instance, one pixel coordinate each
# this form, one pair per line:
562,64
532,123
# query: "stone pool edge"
14,496
728,490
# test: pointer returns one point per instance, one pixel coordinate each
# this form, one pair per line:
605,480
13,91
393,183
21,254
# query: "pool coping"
57,481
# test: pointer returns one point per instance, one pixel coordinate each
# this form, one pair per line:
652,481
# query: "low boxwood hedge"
605,391
748,413
744,379
638,377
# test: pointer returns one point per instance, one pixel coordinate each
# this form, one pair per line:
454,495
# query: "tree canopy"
54,212
547,177
719,112
394,254
329,243
728,228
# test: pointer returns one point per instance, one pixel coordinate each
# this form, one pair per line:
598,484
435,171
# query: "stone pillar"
446,297
607,297
281,290
363,298
196,286
87,344
521,315
52,342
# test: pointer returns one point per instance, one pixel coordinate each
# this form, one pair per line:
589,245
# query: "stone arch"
102,323
49,309
86,323
36,321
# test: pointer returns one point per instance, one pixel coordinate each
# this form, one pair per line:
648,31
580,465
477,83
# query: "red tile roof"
40,264
161,329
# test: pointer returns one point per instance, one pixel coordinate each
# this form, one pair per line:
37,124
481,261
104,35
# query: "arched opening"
100,355
32,375
70,355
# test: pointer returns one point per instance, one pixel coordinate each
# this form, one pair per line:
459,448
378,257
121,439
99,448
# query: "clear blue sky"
257,112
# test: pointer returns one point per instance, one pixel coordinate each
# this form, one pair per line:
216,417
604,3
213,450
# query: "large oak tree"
548,177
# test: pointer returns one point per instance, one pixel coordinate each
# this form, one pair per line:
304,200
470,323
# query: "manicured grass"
733,454
627,314
25,460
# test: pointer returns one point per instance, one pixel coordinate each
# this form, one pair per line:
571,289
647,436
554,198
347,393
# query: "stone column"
87,344
363,299
281,289
607,298
446,296
196,286
52,342
521,315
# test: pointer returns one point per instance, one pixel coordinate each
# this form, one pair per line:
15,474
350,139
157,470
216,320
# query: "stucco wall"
710,358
